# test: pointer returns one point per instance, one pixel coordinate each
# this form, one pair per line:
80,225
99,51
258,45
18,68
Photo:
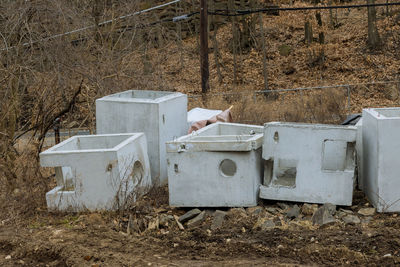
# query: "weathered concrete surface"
98,172
359,149
381,161
217,166
162,116
309,163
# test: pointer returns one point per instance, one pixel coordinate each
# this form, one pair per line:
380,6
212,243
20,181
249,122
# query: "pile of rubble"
258,218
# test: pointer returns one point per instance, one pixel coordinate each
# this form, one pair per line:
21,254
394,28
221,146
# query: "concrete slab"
381,161
161,115
97,172
308,163
216,166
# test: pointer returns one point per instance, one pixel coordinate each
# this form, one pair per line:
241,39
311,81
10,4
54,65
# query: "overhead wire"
99,24
238,12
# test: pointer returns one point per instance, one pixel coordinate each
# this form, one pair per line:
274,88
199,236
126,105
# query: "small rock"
366,220
264,224
367,211
255,210
346,211
387,255
272,210
267,225
351,219
8,257
330,207
197,220
219,217
308,209
283,206
165,220
323,216
189,215
395,215
293,212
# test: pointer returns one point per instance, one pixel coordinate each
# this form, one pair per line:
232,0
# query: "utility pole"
204,68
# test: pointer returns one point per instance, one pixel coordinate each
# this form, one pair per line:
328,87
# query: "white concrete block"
381,161
97,172
162,116
216,166
308,163
359,149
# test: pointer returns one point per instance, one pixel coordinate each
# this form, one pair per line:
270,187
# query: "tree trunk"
374,40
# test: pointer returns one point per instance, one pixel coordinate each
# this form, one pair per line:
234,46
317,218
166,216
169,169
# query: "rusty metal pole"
204,66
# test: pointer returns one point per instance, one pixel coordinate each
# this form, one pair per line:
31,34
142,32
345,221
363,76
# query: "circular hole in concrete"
137,172
227,168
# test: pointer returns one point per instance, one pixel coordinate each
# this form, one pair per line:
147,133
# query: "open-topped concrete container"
380,177
217,166
97,172
309,163
161,115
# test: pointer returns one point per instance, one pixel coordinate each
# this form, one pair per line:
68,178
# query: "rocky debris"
293,212
197,220
238,212
272,210
346,211
351,219
366,220
219,217
324,215
255,211
330,207
309,209
283,206
367,211
189,215
166,220
264,224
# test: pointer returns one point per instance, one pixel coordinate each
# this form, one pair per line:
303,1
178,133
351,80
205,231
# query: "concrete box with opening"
309,163
216,166
380,158
97,172
162,116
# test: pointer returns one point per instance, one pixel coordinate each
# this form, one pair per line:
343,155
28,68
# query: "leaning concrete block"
216,166
309,163
381,161
162,116
97,172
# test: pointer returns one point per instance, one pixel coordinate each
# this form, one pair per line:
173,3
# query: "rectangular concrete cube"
97,172
381,160
216,166
309,163
162,116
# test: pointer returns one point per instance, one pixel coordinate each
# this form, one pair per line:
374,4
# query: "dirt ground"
94,239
